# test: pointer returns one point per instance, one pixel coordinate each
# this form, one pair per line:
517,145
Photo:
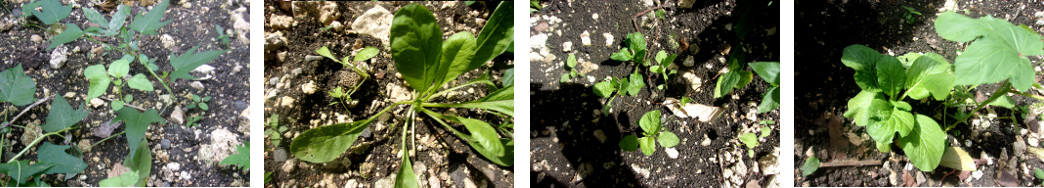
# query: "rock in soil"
222,144
375,22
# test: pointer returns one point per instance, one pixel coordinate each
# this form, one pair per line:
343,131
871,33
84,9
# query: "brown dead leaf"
105,130
117,170
908,180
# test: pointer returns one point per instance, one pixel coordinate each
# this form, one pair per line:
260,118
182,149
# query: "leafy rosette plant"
427,63
652,132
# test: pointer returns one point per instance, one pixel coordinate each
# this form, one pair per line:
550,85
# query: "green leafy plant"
810,166
51,158
663,66
736,77
908,16
534,6
274,131
224,38
751,139
427,63
634,51
571,67
611,88
241,158
51,11
197,102
769,71
653,132
364,54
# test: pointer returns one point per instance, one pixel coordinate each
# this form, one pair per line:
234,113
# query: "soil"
574,145
825,28
192,23
440,158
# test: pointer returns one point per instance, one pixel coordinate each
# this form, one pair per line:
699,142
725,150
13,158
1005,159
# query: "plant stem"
1038,97
106,139
1003,89
5,124
37,141
437,119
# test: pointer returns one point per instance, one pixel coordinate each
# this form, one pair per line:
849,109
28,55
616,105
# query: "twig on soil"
26,109
849,163
634,19
124,104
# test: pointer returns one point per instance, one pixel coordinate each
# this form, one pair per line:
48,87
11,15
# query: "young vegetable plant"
652,132
663,67
196,102
751,139
274,131
908,16
364,54
571,67
635,52
241,158
427,63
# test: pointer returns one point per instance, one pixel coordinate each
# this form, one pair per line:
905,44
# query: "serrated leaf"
120,67
667,139
241,159
140,82
137,123
148,23
60,160
925,145
957,158
629,143
99,81
62,115
326,143
16,87
416,45
71,33
623,55
366,53
769,71
188,61
864,61
648,145
127,179
496,36
603,89
20,170
810,166
52,12
650,122
929,74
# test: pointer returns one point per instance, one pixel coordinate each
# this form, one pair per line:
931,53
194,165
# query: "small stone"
567,46
165,144
608,39
167,41
280,22
1032,141
288,166
279,155
96,102
672,153
204,69
59,56
336,26
585,38
178,115
274,40
689,62
36,38
174,166
695,82
600,135
706,141
311,58
309,88
197,85
69,95
375,22
328,12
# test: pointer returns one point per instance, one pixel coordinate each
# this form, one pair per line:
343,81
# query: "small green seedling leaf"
648,145
241,159
571,61
116,105
604,89
769,71
325,52
623,55
749,139
667,139
650,122
71,33
811,165
140,82
1038,173
366,54
629,143
148,24
636,84
62,115
16,87
95,17
99,81
120,67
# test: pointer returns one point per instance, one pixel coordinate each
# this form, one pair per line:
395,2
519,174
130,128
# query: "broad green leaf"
745,78
878,126
667,139
52,11
140,160
629,143
326,143
925,145
623,55
496,36
405,177
508,78
769,71
241,159
20,170
118,19
416,45
95,17
366,54
770,101
485,136
958,159
864,61
325,52
457,52
901,120
929,74
957,27
60,161
859,108
749,139
99,81
27,9
117,105
127,179
650,122
120,67
810,166
636,42
636,84
137,123
140,82
726,83
890,75
648,145
188,61
1003,101
148,23
1038,173
603,89
908,59
71,33
16,87
62,115
571,61
660,56
998,52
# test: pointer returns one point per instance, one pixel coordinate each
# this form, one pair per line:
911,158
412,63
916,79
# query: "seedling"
427,63
751,140
610,88
571,67
908,16
224,38
241,158
810,166
363,55
274,131
652,132
51,11
663,67
197,102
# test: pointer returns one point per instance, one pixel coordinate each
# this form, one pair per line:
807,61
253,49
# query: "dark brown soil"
824,29
566,116
449,161
190,25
